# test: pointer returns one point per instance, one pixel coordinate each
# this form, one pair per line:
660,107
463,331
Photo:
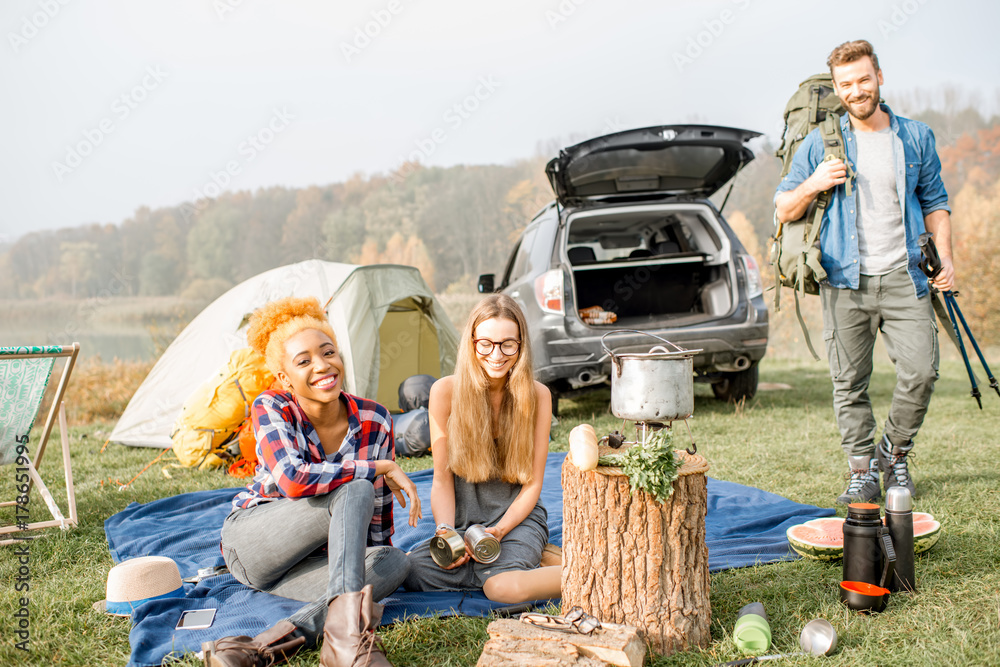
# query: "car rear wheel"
737,386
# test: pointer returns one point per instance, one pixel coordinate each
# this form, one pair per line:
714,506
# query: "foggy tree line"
451,223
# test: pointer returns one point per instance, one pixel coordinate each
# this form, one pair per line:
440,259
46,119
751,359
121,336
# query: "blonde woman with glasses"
490,440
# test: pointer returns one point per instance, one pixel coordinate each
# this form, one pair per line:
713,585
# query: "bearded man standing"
869,245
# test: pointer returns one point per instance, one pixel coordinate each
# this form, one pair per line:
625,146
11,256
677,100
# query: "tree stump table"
629,559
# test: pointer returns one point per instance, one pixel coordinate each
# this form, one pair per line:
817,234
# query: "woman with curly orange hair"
315,522
490,439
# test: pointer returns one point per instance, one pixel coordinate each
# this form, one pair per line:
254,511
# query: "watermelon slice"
926,532
823,539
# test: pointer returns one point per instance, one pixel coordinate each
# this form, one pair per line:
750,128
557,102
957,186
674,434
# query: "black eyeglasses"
508,348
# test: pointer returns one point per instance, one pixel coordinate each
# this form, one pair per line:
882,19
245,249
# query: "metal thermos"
869,556
899,521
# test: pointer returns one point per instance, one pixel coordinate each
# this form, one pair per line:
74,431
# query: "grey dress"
484,503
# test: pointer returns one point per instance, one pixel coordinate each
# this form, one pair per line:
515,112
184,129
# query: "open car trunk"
655,265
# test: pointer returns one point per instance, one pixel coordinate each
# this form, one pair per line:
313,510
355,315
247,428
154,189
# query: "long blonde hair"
475,451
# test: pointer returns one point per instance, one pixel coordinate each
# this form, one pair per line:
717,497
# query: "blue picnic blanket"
744,526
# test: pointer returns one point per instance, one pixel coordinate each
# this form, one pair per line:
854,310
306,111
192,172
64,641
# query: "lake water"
128,344
127,329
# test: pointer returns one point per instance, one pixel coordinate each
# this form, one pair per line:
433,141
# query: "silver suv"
632,242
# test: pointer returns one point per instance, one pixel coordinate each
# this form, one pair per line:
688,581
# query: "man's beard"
863,109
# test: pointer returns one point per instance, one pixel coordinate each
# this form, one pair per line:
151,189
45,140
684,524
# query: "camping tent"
387,322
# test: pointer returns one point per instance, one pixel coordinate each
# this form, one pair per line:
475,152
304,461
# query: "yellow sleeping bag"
215,411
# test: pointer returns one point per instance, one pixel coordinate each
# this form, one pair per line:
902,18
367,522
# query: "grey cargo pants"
851,319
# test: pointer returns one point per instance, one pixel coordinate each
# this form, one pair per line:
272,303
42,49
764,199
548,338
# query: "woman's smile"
327,381
313,367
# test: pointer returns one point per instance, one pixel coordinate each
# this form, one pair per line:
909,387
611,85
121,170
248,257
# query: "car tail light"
755,286
549,291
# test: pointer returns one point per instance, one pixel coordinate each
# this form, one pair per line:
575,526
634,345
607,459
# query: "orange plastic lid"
864,588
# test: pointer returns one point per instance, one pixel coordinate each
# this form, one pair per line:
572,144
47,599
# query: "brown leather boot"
349,638
551,556
271,647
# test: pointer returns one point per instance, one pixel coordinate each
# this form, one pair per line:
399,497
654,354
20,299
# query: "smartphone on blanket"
196,619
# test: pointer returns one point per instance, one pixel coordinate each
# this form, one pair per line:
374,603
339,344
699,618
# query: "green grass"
784,441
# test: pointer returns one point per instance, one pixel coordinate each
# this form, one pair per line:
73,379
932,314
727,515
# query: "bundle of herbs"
651,466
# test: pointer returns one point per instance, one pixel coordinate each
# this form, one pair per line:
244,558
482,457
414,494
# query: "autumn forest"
452,223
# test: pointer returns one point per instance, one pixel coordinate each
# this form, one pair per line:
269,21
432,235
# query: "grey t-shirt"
881,237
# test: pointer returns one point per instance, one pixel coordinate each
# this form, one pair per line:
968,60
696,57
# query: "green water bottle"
752,632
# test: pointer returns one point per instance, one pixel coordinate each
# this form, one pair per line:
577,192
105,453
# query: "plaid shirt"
291,462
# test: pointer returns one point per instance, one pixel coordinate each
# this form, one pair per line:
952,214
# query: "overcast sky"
114,104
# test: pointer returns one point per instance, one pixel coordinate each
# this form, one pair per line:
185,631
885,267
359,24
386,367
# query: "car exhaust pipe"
738,363
586,377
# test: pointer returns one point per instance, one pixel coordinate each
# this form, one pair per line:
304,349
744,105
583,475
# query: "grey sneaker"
863,486
892,460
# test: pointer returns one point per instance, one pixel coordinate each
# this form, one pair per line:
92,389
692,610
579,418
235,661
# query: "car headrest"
667,248
581,255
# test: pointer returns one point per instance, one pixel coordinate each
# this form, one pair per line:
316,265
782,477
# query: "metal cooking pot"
653,386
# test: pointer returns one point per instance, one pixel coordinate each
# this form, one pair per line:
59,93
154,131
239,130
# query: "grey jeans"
851,319
276,547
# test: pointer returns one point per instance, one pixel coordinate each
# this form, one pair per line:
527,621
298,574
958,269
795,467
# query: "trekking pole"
931,266
958,311
948,299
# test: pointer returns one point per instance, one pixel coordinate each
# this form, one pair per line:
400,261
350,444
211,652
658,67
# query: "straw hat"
133,582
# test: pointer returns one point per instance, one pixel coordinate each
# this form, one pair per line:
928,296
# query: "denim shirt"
918,185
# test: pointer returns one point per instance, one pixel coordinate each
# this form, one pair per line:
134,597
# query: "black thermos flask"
899,521
868,552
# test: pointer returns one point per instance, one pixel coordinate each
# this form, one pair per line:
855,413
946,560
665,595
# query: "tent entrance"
408,345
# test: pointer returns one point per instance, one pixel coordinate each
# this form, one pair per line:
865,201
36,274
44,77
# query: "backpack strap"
814,92
822,201
775,256
810,259
805,330
833,147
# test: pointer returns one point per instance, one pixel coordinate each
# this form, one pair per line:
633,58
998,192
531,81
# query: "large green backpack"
795,254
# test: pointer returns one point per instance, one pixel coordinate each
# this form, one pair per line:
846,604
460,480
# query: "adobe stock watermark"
900,15
168,406
121,108
562,12
367,32
390,351
22,553
247,151
118,285
612,125
223,7
454,117
704,39
628,285
32,25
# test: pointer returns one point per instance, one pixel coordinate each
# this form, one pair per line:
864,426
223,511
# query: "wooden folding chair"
24,375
